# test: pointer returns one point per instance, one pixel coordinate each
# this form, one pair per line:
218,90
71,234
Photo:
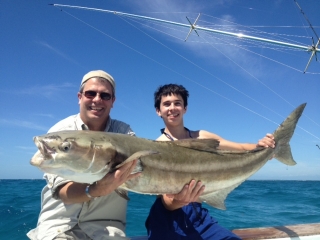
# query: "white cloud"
48,91
58,52
23,124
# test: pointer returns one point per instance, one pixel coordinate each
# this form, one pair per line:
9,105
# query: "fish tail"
283,135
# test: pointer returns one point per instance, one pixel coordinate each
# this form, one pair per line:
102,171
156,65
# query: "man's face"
95,111
172,109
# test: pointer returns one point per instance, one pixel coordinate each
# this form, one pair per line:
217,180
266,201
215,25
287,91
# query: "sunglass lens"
105,96
90,94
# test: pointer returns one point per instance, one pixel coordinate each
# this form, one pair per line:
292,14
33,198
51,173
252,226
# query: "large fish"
87,156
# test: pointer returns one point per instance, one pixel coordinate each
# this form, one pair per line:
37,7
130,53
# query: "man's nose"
97,98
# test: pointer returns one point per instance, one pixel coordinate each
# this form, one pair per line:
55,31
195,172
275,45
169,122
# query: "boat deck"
294,232
301,231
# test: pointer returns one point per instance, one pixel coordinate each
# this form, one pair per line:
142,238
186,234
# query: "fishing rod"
313,48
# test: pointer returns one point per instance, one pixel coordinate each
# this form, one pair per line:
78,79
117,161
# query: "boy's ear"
158,112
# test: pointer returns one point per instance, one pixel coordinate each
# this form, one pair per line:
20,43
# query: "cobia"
87,156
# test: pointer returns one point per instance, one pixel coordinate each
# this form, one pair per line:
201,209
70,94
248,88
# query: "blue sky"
238,89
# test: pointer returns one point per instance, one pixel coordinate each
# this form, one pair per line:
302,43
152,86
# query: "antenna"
192,27
314,47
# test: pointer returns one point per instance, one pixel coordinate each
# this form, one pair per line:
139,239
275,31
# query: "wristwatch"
87,192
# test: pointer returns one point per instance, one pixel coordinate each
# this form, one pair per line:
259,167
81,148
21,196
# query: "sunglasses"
92,94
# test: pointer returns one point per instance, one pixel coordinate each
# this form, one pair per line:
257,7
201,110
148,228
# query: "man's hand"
189,193
112,181
73,192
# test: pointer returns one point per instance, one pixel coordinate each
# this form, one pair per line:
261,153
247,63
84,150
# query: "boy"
181,216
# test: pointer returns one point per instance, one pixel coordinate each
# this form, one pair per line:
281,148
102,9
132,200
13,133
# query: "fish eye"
65,146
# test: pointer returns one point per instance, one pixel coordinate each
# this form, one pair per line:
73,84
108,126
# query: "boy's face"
171,109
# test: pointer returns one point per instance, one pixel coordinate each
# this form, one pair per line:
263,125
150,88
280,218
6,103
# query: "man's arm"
73,192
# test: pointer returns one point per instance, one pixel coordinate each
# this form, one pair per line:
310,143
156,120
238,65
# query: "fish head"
82,156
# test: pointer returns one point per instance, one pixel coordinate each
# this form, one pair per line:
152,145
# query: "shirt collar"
81,126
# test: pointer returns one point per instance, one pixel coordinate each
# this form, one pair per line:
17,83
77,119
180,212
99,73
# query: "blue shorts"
191,222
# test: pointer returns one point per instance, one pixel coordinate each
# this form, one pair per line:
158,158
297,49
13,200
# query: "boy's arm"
267,141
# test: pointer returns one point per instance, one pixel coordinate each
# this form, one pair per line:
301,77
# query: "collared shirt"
101,218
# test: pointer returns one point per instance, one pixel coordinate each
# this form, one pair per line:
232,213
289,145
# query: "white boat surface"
292,232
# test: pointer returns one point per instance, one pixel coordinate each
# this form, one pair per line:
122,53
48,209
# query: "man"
181,216
71,210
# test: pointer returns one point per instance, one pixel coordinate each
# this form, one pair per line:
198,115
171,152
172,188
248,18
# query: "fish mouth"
44,155
44,148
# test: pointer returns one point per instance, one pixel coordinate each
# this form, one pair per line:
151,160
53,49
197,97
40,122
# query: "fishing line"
260,45
312,48
238,66
221,79
248,27
260,55
224,82
245,40
222,29
268,33
121,42
265,84
260,26
304,15
250,74
250,110
253,44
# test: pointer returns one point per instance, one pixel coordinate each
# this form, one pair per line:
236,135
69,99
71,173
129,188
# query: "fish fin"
283,135
207,145
134,156
284,155
216,199
138,168
122,193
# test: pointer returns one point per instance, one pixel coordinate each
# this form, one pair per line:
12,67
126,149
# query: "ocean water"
252,204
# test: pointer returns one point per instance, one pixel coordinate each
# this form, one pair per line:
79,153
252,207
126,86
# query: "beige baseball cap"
101,74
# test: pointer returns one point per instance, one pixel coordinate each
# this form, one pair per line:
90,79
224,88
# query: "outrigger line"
313,48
